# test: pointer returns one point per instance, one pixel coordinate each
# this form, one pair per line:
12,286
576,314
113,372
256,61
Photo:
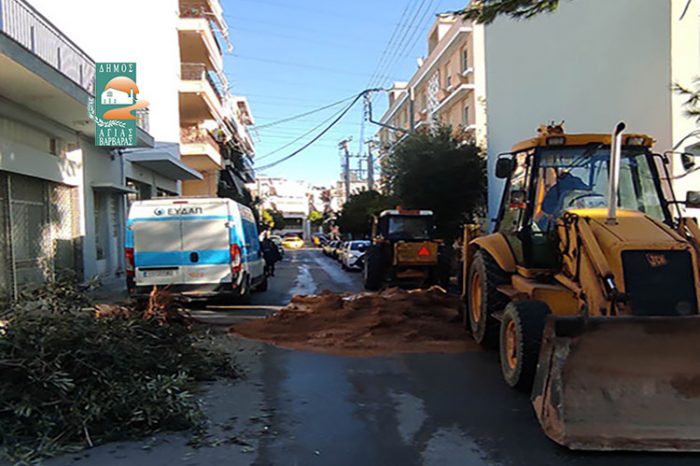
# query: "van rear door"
157,243
205,242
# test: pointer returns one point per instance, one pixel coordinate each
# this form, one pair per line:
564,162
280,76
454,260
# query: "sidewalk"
111,292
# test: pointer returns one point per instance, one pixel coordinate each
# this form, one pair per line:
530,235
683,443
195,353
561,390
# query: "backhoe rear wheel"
521,337
373,273
483,299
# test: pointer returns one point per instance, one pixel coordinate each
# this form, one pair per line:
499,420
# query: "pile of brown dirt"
392,321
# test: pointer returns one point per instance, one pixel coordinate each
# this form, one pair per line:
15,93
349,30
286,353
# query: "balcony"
200,97
25,25
199,150
198,43
208,9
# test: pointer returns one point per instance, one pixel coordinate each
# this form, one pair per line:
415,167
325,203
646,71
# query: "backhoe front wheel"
483,299
520,340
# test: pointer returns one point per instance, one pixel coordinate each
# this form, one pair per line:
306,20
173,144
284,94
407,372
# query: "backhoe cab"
404,251
589,289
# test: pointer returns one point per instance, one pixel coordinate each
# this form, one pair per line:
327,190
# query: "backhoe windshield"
405,227
577,178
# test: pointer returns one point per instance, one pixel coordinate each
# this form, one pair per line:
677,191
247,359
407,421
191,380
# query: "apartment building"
180,70
62,199
293,199
445,89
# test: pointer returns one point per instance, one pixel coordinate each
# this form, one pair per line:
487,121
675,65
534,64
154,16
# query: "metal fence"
21,22
39,232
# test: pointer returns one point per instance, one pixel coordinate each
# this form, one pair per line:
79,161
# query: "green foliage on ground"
71,379
355,218
439,171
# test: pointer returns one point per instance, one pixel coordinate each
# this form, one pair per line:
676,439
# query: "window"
577,177
465,59
515,198
408,227
448,76
53,146
101,211
465,116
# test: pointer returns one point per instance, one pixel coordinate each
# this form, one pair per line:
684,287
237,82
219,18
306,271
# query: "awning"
162,161
113,188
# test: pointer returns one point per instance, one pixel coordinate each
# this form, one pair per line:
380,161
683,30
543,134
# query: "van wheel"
521,337
263,285
244,297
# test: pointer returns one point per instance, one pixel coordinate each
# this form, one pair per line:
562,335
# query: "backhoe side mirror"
688,160
692,199
504,167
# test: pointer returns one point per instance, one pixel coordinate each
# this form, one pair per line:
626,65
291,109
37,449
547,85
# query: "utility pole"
370,164
343,145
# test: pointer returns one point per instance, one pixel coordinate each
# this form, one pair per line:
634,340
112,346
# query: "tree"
356,215
438,171
693,99
486,11
315,218
272,219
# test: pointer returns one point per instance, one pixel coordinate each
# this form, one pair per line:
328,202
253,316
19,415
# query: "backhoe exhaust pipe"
614,176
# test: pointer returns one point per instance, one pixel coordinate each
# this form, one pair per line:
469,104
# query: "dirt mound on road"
393,321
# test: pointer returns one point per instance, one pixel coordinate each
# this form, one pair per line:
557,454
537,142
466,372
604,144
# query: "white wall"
98,167
591,63
145,33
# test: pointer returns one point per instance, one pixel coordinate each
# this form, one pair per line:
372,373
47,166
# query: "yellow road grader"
589,288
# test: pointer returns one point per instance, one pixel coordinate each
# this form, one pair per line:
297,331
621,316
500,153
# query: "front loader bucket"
620,383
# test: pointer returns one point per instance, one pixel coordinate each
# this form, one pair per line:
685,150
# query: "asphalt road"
299,408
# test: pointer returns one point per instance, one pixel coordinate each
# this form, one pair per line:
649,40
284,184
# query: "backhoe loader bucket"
620,383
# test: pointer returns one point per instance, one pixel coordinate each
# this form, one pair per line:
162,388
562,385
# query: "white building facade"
62,199
591,64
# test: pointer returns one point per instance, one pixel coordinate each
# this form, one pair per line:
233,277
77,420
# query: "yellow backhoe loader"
589,288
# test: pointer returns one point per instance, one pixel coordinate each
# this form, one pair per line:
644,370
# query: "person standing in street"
271,254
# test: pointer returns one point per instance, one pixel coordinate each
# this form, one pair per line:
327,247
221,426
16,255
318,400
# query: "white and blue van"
196,247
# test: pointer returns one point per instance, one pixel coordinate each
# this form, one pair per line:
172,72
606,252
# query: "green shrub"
69,379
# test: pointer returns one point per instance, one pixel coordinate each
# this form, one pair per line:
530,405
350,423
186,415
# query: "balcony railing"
199,72
25,25
144,121
198,13
194,135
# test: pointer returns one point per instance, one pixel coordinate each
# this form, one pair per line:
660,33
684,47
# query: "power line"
389,42
300,137
301,115
318,136
391,60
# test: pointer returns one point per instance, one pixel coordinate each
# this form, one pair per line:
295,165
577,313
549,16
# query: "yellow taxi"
292,242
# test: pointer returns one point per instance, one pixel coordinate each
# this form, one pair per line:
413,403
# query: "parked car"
328,247
292,242
199,248
352,253
338,251
278,242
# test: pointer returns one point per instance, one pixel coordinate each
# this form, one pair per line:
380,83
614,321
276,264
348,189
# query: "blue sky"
292,57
